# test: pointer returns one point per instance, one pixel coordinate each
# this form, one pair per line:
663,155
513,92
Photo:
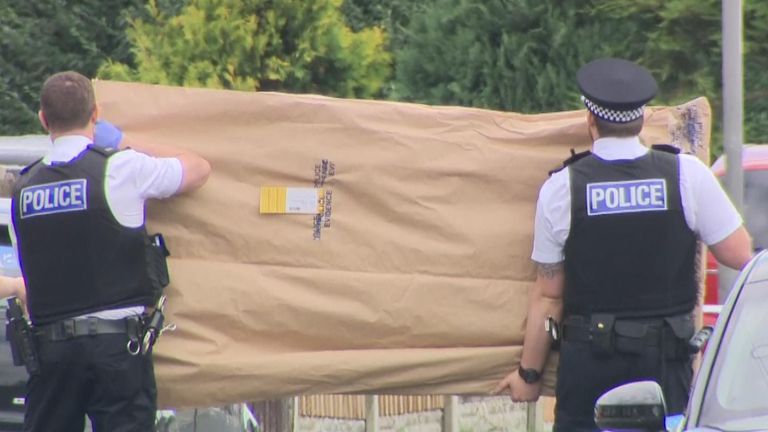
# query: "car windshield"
736,394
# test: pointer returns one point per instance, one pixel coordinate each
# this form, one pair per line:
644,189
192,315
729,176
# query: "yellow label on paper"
290,200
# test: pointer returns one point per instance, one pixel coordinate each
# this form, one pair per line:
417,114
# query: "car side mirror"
637,406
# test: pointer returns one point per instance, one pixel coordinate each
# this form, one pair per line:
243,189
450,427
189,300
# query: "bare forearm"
537,341
545,301
12,287
735,250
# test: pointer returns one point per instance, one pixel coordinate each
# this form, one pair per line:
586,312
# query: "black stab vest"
75,256
630,251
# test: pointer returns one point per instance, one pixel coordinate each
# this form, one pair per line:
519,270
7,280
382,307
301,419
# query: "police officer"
78,219
615,242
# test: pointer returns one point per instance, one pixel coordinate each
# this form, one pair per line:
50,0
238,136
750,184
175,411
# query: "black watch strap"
530,376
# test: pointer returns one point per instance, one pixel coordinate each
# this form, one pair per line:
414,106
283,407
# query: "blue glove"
107,135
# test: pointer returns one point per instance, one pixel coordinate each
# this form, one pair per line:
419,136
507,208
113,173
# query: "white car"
13,379
730,392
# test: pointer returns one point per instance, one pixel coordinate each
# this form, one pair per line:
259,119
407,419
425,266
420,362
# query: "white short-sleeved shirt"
708,210
131,179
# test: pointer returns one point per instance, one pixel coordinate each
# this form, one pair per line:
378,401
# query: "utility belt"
91,326
608,334
142,331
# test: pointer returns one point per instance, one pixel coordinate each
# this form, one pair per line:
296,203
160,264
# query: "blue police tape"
107,135
58,197
626,196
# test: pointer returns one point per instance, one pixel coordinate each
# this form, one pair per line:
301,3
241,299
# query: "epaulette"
575,157
668,148
104,151
29,167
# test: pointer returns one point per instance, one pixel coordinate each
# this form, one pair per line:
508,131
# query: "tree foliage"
281,45
682,44
678,41
392,15
522,55
38,38
519,55
756,72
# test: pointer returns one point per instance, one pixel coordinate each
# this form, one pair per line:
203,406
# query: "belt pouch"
631,336
601,330
678,330
157,266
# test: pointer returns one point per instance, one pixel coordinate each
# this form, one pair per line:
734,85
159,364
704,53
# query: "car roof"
22,150
15,153
753,156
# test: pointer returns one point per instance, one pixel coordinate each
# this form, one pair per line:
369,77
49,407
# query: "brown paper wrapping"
414,281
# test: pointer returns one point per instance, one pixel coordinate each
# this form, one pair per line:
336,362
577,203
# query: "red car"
755,212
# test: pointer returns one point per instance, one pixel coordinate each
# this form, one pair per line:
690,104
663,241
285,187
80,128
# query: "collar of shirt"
67,147
614,148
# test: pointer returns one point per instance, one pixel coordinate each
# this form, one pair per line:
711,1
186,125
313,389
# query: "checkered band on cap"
613,116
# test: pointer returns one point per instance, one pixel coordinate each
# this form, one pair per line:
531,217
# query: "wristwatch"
530,376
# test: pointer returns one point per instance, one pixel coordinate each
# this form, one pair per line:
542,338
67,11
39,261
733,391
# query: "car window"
737,389
9,264
756,206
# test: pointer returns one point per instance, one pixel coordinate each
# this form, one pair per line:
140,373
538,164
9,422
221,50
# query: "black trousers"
583,376
93,376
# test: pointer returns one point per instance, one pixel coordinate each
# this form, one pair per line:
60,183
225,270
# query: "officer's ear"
95,113
43,121
592,126
591,122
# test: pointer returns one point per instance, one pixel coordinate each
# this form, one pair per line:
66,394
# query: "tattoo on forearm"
550,270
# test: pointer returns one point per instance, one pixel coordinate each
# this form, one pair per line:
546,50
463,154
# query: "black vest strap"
669,148
29,167
106,152
575,157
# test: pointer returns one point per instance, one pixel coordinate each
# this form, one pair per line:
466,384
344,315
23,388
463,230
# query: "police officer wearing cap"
615,241
78,225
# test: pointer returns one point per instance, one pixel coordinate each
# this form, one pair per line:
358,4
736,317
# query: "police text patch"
58,197
626,196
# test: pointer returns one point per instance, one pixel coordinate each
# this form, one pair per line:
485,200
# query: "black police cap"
616,90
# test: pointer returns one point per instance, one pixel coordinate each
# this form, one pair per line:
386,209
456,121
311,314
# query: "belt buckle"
68,329
93,323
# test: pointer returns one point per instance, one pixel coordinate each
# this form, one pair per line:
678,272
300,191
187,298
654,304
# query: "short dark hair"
67,101
608,129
